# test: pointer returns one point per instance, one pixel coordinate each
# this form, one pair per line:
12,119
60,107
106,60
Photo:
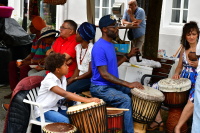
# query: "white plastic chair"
31,96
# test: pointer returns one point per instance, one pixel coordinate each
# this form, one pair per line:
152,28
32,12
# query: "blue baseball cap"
106,21
87,31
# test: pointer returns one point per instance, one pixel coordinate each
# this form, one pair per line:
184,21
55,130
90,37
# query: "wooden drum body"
146,104
115,121
89,117
176,99
59,128
176,96
172,120
175,91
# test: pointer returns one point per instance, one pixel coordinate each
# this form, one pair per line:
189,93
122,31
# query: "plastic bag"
12,33
145,62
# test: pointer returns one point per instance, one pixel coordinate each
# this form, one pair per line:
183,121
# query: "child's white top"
48,98
86,59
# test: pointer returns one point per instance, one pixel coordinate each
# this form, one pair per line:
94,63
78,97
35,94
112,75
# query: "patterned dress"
187,72
190,73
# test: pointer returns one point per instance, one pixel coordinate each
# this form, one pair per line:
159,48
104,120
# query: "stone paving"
4,90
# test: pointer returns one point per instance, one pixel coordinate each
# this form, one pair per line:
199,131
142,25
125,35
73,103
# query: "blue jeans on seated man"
116,96
56,116
79,86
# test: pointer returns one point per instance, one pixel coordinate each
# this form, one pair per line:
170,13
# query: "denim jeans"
117,96
196,113
79,86
54,116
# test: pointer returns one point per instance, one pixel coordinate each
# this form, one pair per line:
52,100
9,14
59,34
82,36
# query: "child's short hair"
54,60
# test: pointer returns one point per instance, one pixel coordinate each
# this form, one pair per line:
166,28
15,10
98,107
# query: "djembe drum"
59,128
146,104
89,117
176,96
115,121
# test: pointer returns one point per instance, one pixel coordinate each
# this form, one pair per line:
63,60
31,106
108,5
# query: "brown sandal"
159,126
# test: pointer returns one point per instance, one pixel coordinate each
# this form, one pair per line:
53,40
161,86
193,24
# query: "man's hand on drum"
96,100
176,76
136,85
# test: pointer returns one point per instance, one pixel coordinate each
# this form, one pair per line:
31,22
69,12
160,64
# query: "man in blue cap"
105,82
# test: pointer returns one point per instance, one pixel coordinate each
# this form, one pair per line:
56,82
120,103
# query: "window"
103,7
179,11
48,13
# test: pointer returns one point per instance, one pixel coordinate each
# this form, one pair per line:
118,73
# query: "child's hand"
97,100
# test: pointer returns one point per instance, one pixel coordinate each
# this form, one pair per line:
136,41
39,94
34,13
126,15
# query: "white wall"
170,35
18,10
74,10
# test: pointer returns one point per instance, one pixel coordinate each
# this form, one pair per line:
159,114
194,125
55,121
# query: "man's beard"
112,34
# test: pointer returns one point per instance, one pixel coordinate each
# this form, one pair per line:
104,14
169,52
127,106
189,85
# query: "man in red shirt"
65,44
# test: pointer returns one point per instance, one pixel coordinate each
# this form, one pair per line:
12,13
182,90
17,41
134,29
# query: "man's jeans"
117,96
196,113
54,116
79,86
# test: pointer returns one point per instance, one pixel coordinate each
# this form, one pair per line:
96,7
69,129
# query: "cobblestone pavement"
4,90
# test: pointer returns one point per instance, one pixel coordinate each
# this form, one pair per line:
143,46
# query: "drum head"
59,128
148,93
84,106
174,85
114,112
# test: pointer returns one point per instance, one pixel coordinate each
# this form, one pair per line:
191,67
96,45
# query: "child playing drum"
52,90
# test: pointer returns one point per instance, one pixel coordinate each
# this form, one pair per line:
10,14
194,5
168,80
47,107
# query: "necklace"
83,55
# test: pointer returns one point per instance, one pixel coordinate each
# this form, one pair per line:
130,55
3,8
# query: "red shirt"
67,46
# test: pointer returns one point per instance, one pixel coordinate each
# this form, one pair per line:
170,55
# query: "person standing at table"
105,82
135,15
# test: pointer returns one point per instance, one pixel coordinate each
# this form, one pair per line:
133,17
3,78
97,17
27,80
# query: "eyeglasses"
63,28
